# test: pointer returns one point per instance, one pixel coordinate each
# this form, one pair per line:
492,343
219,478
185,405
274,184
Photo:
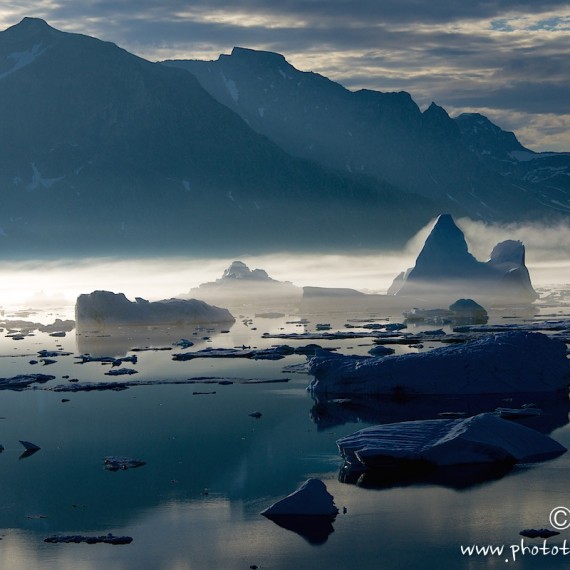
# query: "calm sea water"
211,467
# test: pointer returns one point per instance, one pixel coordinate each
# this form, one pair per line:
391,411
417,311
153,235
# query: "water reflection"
458,477
191,443
28,453
330,413
314,529
118,340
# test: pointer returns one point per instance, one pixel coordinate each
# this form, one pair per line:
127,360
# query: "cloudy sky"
508,59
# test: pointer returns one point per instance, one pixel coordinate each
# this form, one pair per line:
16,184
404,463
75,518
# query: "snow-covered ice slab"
310,499
107,308
515,362
484,438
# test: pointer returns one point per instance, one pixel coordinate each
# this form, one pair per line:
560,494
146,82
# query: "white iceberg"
484,438
107,308
505,363
240,282
310,499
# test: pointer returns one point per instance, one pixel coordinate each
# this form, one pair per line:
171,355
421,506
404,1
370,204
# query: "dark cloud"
325,11
501,55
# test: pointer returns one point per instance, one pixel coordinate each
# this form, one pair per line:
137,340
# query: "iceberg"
309,511
504,363
239,281
484,438
463,311
310,499
445,268
107,308
333,292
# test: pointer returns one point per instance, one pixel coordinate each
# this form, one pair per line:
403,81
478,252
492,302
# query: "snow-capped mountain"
455,161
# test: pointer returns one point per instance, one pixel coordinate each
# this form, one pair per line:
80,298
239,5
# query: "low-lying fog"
33,283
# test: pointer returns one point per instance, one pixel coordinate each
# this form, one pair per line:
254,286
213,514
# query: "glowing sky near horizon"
165,277
508,59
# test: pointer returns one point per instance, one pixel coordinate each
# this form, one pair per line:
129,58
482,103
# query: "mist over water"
56,282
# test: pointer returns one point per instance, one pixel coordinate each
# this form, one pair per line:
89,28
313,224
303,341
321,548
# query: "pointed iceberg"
445,268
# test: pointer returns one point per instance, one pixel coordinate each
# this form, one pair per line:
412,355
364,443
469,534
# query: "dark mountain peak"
482,134
437,122
24,42
29,22
252,55
435,110
37,22
29,28
401,98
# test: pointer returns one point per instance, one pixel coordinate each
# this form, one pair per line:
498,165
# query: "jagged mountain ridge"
548,173
101,150
384,135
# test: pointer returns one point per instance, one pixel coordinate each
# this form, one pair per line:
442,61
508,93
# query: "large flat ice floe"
484,438
107,308
507,363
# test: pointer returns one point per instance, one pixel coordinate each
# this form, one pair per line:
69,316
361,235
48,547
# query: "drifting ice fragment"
29,446
116,463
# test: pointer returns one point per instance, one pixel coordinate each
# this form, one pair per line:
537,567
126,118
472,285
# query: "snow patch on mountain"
232,87
39,181
23,58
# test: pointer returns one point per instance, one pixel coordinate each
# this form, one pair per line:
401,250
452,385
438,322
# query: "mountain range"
468,165
104,152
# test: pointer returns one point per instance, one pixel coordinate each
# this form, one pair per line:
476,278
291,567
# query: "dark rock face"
445,267
102,150
468,164
107,308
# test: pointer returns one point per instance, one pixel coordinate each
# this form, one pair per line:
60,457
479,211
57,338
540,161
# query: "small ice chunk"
116,463
29,445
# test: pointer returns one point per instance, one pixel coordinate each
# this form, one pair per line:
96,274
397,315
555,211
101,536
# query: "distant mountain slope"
546,174
102,151
384,135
